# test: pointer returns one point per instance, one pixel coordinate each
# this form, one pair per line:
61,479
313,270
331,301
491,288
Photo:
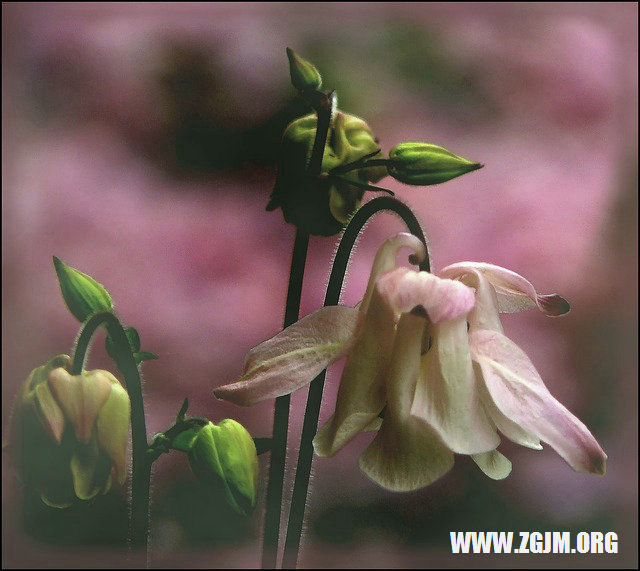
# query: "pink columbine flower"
430,351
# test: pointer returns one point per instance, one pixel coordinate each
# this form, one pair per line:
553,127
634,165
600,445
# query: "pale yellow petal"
361,395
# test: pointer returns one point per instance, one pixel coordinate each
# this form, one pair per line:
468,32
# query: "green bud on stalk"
424,164
83,295
304,75
224,455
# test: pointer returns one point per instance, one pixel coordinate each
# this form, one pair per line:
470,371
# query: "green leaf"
183,410
144,356
132,337
83,295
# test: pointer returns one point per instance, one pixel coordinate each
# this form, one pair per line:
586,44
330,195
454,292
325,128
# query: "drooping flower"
430,351
70,432
292,358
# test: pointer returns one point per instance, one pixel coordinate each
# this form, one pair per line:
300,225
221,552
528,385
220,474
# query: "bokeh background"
139,145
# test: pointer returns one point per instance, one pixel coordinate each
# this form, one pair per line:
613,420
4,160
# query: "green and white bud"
224,455
304,75
424,164
70,432
83,295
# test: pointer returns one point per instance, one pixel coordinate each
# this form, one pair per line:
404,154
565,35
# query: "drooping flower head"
428,350
70,432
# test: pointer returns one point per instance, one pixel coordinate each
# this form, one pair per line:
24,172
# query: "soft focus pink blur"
544,95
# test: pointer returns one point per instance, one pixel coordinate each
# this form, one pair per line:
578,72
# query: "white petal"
447,396
294,356
493,464
519,393
514,292
406,454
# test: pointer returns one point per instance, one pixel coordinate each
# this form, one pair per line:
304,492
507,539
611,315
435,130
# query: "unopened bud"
83,295
424,164
70,432
320,206
304,75
224,455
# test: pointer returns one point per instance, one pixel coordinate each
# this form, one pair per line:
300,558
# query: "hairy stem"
324,109
141,470
281,415
314,399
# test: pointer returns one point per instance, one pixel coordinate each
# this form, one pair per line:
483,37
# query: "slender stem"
281,415
141,471
324,108
363,163
366,186
314,399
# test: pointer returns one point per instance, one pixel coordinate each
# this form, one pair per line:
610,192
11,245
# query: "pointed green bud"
224,455
83,295
424,164
304,75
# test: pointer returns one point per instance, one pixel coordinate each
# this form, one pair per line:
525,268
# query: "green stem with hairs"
141,470
324,109
314,399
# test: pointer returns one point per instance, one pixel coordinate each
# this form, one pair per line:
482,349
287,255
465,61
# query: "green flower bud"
224,455
323,207
304,75
426,164
70,432
83,295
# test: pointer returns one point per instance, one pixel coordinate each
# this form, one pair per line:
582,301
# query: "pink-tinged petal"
406,454
361,395
447,395
405,289
80,397
294,356
49,412
510,429
493,464
514,292
519,393
385,260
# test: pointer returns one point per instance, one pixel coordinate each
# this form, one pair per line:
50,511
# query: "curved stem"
314,399
141,470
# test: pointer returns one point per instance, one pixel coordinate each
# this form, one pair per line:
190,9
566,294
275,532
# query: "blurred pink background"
139,143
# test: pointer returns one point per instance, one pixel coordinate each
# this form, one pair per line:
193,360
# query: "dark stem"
314,399
365,185
281,415
141,470
324,107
